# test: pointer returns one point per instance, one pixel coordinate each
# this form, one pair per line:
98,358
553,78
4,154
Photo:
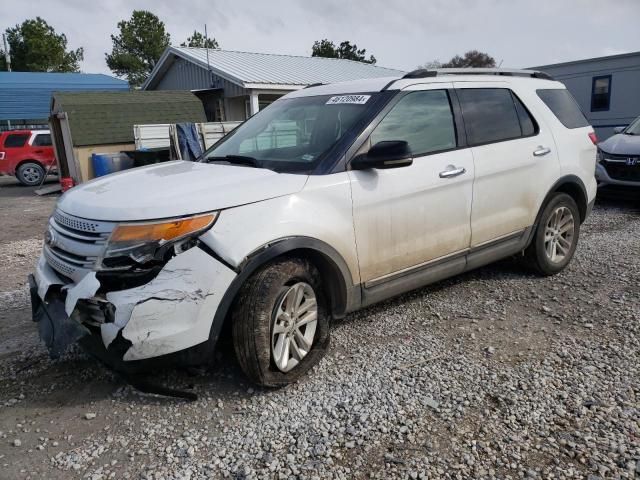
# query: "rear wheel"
280,322
30,174
556,236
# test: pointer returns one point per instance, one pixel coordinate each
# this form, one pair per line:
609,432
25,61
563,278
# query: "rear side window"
42,140
564,107
489,115
528,125
423,119
16,140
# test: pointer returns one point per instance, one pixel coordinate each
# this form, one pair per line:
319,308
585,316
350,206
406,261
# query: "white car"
333,198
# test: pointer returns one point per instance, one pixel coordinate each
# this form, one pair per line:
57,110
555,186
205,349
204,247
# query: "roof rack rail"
314,85
421,73
424,73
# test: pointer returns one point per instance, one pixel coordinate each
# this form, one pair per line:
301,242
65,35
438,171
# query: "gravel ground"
494,374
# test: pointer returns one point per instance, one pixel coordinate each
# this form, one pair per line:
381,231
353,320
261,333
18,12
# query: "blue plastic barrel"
102,164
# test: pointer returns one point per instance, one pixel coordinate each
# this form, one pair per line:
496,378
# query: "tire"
30,174
259,316
556,236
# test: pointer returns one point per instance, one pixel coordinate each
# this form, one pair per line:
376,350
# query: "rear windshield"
564,107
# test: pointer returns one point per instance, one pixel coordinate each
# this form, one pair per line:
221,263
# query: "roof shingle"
103,118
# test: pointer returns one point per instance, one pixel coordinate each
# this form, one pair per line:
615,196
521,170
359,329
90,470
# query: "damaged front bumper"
170,314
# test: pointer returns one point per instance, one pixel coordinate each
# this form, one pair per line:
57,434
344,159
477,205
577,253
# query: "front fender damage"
169,314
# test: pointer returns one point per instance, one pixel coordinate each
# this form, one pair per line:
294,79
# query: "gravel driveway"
495,374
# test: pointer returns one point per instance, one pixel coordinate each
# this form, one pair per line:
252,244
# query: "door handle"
540,151
452,171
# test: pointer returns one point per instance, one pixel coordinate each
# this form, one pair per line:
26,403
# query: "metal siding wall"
33,103
184,75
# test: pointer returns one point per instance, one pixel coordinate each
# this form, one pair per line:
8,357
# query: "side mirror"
618,129
387,154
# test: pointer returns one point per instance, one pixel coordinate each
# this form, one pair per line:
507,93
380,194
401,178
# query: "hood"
175,189
621,144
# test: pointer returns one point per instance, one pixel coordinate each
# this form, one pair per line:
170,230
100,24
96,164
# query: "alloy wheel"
294,326
558,235
31,175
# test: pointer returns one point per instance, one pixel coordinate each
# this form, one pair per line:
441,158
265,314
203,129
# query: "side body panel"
576,151
321,210
407,216
510,182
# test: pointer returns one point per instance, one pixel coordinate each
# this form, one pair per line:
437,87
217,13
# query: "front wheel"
280,322
556,236
30,174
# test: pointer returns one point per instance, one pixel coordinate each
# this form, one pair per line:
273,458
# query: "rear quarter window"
564,107
42,140
16,140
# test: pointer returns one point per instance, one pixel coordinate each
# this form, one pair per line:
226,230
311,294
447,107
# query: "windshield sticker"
307,157
349,99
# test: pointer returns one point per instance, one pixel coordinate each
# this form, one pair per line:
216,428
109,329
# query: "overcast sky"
401,34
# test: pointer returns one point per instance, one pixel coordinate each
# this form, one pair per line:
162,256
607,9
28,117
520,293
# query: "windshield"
634,128
294,135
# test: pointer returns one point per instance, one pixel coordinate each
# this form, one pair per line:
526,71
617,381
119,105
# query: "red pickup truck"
27,154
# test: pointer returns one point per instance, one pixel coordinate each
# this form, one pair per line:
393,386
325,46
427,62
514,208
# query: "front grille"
622,167
76,223
73,245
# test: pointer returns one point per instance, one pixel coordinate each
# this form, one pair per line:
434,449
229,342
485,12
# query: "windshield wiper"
236,160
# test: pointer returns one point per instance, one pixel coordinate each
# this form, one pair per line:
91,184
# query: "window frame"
555,114
536,124
35,139
534,121
593,87
456,129
364,137
26,136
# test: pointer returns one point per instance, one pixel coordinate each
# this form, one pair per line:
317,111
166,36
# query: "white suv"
331,199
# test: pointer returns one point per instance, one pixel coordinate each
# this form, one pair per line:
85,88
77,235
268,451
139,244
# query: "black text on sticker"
346,99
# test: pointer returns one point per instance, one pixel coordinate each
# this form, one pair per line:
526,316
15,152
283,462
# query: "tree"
198,40
471,59
326,48
137,48
36,47
430,65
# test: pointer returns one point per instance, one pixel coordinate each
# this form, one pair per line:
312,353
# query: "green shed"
83,123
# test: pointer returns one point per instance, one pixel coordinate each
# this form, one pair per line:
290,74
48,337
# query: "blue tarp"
27,95
188,141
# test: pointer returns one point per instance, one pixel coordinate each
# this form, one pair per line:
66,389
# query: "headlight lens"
144,242
160,232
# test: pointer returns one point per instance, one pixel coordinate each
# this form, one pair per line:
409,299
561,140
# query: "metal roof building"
235,85
25,97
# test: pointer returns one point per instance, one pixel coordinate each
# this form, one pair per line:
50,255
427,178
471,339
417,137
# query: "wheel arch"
29,160
575,188
343,294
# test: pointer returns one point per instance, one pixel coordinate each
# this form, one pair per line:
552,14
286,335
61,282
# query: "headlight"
144,242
